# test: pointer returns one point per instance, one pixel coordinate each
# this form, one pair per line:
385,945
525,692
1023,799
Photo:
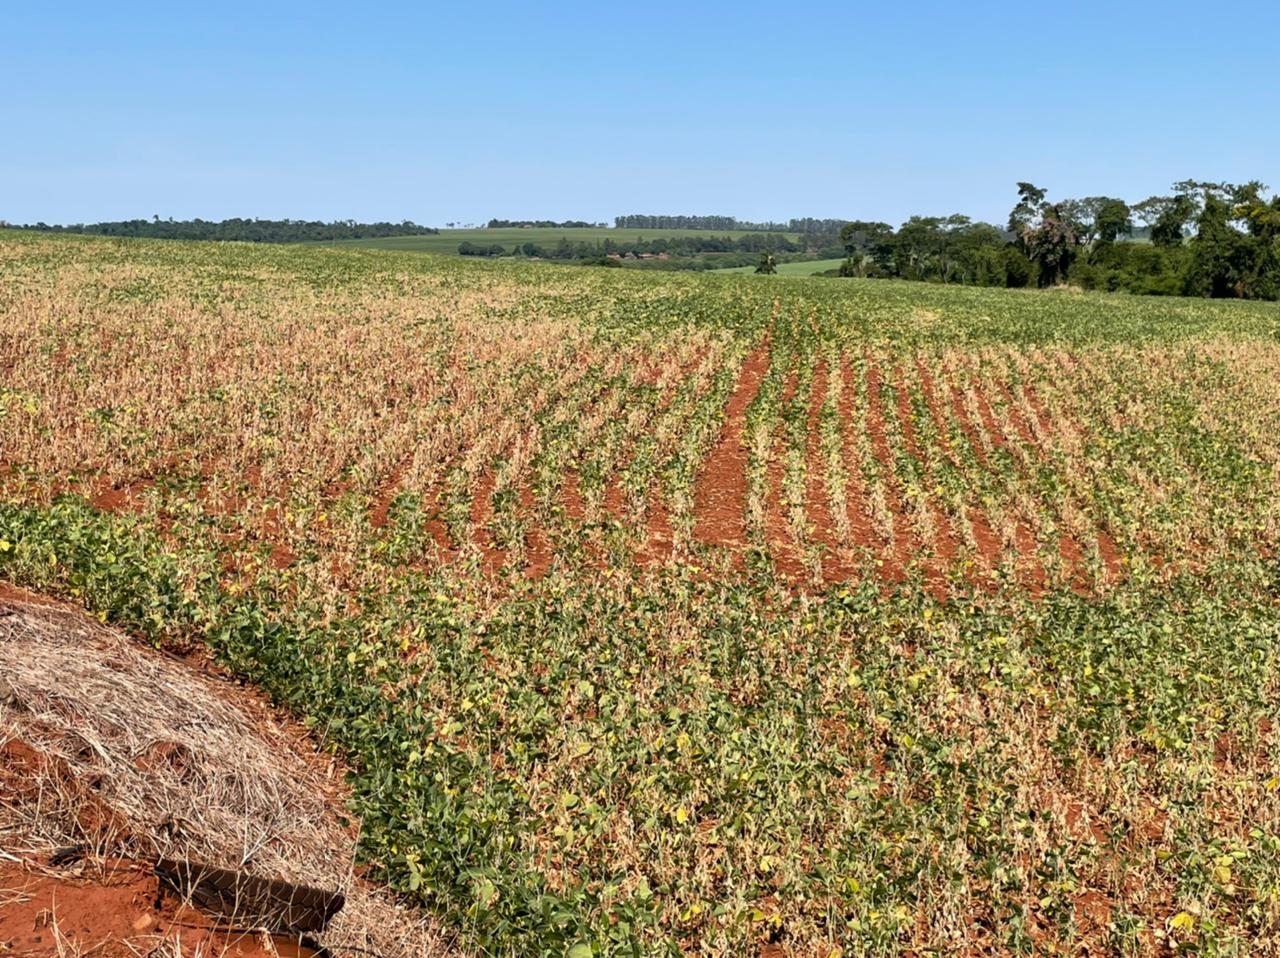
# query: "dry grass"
141,755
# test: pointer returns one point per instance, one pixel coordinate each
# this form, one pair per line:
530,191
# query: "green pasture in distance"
803,267
446,241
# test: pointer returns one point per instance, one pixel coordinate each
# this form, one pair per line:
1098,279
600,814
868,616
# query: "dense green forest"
1204,239
246,230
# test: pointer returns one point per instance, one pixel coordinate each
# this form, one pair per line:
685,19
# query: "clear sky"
465,111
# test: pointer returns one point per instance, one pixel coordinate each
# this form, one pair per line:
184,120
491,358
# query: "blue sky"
462,112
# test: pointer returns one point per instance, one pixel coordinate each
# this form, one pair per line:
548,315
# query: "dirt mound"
114,910
126,755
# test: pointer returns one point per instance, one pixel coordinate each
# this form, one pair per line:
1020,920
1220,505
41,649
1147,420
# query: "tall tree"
1169,228
1030,202
1047,232
867,245
1113,220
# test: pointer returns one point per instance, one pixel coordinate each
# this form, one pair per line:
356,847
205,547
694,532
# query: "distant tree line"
680,247
244,230
637,221
1205,239
802,225
543,224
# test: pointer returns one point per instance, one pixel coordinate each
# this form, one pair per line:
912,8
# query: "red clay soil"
835,564
117,911
380,508
720,491
1030,570
491,556
855,494
435,525
1071,553
615,497
571,495
984,537
24,771
127,498
271,531
575,509
1068,548
939,565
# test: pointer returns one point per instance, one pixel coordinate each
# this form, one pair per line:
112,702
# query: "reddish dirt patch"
380,508
491,556
120,910
1081,829
615,497
1030,569
945,551
1093,915
944,538
129,498
835,565
984,537
575,509
271,530
1071,553
435,525
720,492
